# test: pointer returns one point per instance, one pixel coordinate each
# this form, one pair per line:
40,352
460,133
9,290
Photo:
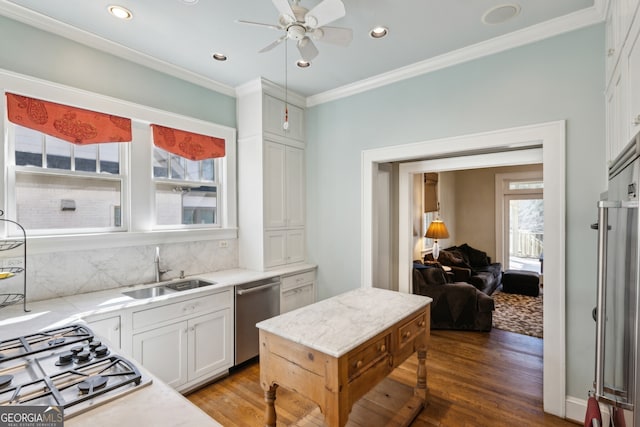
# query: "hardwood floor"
474,379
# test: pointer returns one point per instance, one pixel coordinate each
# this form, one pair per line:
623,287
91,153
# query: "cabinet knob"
358,364
610,52
636,121
407,334
383,348
421,323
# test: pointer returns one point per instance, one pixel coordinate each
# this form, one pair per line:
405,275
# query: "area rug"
518,313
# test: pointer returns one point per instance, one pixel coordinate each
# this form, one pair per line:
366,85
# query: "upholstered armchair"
456,305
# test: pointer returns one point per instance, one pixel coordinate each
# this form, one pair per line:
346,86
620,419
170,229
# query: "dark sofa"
472,266
456,305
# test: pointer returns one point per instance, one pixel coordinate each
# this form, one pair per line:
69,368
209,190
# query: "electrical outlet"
223,244
14,262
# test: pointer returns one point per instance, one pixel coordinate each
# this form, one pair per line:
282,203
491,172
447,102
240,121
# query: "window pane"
192,170
208,170
528,185
109,158
160,163
28,147
177,167
58,153
180,205
85,157
89,202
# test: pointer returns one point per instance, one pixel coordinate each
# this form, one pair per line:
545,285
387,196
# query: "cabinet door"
108,328
210,346
295,246
274,185
295,187
634,80
163,352
275,248
297,297
274,117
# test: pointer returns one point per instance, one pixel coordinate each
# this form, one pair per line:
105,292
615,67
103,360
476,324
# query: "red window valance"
69,123
190,145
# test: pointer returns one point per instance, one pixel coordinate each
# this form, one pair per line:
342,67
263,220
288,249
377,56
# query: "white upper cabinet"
622,75
276,111
271,176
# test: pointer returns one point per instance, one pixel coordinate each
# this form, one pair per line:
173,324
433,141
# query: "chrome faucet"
156,261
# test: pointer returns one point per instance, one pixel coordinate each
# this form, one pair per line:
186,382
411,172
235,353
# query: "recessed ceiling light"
189,2
500,14
378,32
219,56
120,12
302,63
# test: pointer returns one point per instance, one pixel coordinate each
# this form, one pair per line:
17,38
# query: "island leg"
421,387
270,410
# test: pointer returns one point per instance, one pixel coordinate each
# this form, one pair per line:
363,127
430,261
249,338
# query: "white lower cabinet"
188,342
297,291
108,328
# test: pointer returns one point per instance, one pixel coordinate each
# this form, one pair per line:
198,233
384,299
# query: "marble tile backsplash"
74,272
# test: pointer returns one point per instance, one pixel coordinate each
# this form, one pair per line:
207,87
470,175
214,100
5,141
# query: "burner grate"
42,341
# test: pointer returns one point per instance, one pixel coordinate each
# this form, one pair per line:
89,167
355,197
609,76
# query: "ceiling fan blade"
307,49
272,45
284,9
259,24
325,12
334,35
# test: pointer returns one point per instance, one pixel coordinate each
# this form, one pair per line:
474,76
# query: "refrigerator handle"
603,218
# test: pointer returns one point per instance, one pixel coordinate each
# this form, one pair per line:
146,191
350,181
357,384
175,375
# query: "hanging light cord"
285,125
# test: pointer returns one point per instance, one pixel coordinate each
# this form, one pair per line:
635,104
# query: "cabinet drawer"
371,353
189,307
411,329
297,280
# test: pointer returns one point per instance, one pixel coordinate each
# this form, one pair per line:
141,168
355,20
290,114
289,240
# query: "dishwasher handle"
256,289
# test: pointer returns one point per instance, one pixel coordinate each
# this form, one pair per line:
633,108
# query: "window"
186,191
63,186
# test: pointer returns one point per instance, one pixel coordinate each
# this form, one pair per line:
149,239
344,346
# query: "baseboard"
575,410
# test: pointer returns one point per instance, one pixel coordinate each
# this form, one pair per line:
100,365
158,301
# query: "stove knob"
94,344
103,350
77,349
83,356
65,358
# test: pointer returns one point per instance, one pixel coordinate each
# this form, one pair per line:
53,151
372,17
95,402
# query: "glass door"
524,240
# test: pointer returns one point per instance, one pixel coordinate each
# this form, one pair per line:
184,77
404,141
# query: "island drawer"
193,306
414,327
370,353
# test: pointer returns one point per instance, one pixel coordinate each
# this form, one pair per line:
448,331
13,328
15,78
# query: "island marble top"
339,324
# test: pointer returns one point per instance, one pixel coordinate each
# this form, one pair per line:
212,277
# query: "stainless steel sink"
185,285
169,288
149,292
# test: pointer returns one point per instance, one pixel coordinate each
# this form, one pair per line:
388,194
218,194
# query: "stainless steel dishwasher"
254,302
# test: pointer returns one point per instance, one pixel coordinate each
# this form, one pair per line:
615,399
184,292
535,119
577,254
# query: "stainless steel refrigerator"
616,314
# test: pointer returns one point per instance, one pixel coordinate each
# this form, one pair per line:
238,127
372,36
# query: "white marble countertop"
156,404
337,325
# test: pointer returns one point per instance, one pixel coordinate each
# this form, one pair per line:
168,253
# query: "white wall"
561,78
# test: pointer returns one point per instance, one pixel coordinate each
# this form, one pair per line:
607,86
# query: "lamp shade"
437,230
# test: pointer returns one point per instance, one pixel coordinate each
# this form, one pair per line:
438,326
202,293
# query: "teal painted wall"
561,78
32,52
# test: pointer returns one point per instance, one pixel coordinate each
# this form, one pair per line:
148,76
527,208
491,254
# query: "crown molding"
534,33
45,23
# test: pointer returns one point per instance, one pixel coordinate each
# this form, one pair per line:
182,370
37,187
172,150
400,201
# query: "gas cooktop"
67,367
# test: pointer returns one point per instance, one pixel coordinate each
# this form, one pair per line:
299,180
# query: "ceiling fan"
304,26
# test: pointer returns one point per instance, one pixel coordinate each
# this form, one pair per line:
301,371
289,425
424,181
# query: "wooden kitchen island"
336,350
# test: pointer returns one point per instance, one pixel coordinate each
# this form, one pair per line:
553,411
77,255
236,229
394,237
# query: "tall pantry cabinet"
271,176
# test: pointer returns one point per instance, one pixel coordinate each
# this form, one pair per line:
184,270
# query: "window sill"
78,242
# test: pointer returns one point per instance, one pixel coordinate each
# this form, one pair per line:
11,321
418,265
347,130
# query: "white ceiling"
180,38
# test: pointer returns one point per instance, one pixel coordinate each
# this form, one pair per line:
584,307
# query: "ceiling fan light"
301,63
378,32
120,12
219,56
